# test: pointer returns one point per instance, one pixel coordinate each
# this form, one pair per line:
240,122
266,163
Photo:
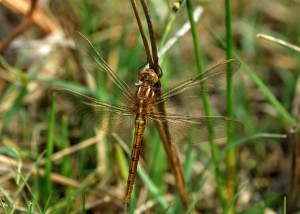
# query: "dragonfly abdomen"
140,124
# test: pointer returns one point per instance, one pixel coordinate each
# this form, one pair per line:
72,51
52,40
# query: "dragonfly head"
148,75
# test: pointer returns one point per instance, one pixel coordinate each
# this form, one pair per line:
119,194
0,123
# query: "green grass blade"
230,159
66,165
214,150
122,162
152,187
231,203
3,207
284,205
30,206
48,201
253,137
194,201
6,196
83,211
15,107
266,91
260,84
9,152
27,185
49,151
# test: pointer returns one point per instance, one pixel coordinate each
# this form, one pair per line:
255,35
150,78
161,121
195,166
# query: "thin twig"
144,38
278,41
293,189
163,128
294,134
152,35
25,25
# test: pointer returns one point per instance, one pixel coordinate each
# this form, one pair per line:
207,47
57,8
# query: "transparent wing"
105,77
213,78
188,129
101,115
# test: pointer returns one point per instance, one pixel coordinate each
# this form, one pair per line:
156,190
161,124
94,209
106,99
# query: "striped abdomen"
140,124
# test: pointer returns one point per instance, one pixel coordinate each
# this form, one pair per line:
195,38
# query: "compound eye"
153,77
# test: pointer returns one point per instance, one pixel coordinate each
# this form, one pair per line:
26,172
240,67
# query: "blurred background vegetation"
90,174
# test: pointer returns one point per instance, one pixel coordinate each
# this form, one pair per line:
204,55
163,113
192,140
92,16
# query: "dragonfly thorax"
145,92
148,75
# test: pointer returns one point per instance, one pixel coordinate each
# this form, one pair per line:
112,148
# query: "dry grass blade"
32,16
57,178
181,32
68,151
279,42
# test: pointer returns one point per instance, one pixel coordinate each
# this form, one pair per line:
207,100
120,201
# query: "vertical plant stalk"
172,156
49,151
151,35
214,149
293,191
294,184
230,158
162,129
142,32
291,120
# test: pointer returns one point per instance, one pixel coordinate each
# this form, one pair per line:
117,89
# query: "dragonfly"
136,109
